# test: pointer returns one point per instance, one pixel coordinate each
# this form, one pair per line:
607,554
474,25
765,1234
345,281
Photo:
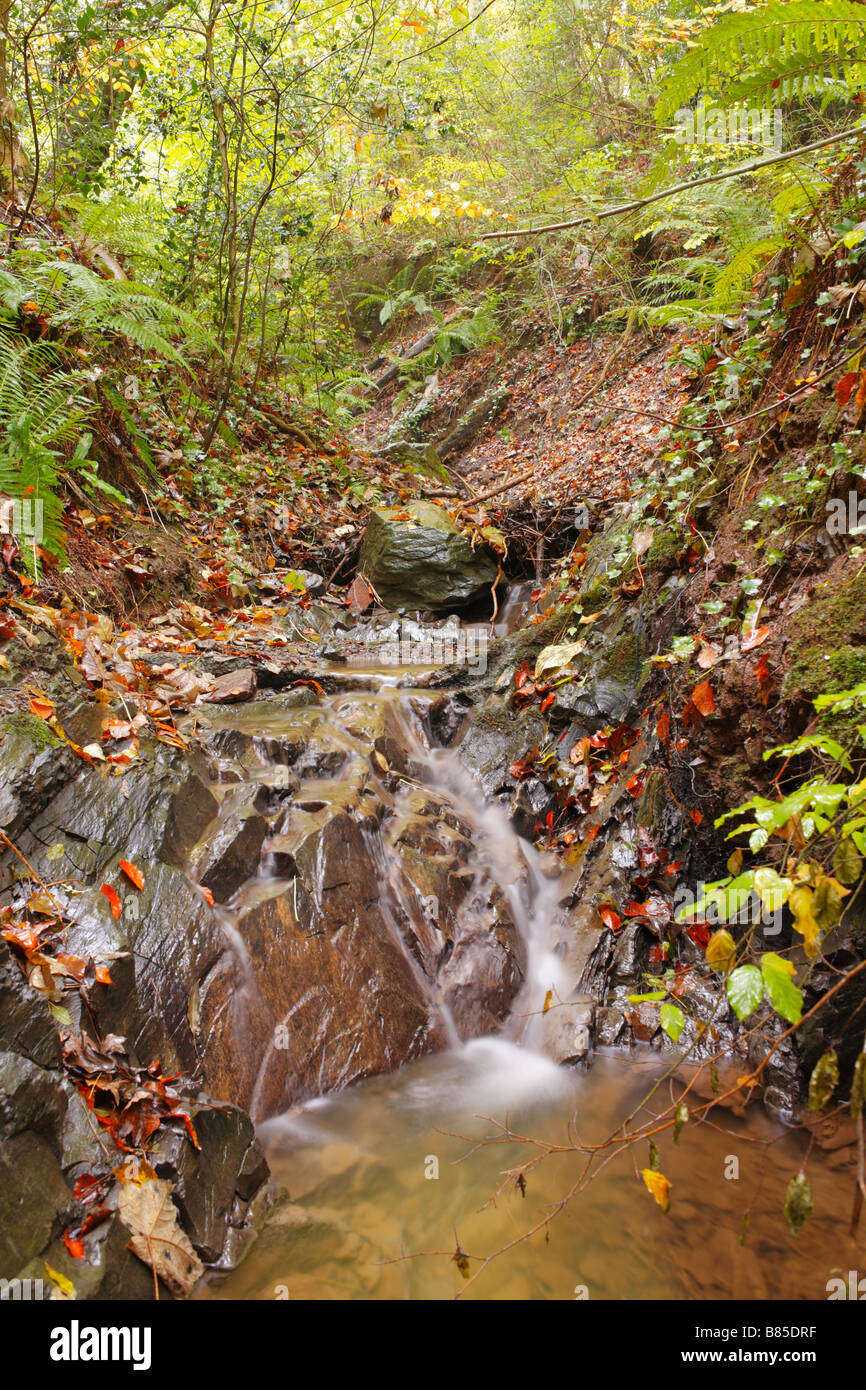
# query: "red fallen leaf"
102,975
663,727
764,679
755,639
592,832
521,676
75,1247
547,701
697,816
114,900
86,1187
656,954
702,698
635,910
635,785
699,932
844,387
610,918
208,896
548,820
132,873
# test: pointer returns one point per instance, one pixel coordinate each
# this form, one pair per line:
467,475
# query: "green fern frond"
780,40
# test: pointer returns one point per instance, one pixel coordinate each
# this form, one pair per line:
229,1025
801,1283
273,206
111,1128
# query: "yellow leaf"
720,950
659,1186
60,1281
800,903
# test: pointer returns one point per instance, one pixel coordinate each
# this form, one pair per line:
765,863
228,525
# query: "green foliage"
780,49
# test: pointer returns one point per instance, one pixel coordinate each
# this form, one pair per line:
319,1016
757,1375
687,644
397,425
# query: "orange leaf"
42,707
75,1247
659,1186
73,965
663,727
697,817
844,387
860,398
208,896
132,873
610,918
102,975
113,899
756,638
702,698
764,679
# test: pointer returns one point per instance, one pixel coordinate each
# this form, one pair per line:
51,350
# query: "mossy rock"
422,560
828,648
29,727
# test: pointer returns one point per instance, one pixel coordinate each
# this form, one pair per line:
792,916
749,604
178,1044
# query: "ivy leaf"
798,1204
785,997
745,990
823,1081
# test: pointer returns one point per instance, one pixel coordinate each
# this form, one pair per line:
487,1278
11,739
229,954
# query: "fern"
792,44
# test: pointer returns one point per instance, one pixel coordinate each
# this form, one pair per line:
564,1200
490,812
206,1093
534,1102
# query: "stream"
388,1173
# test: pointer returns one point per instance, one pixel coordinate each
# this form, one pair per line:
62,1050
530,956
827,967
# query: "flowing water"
386,1179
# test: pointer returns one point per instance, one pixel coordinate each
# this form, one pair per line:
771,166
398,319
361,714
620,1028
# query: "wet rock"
215,1184
35,766
609,1023
494,739
643,1019
232,688
34,1197
566,1030
425,562
26,1024
232,853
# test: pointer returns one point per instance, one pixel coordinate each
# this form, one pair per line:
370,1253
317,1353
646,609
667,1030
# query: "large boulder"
423,561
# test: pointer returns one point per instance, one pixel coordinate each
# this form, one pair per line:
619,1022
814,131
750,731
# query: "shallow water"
385,1179
356,1167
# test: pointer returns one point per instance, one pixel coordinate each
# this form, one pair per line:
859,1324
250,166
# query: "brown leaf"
150,1215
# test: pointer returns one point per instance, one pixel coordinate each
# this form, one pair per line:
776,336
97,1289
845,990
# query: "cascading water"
415,1162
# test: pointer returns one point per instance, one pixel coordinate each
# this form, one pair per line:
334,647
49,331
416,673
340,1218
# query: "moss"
622,659
828,648
663,553
653,800
30,727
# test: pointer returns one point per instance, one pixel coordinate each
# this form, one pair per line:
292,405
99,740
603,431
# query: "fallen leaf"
702,698
150,1215
113,899
755,639
132,873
